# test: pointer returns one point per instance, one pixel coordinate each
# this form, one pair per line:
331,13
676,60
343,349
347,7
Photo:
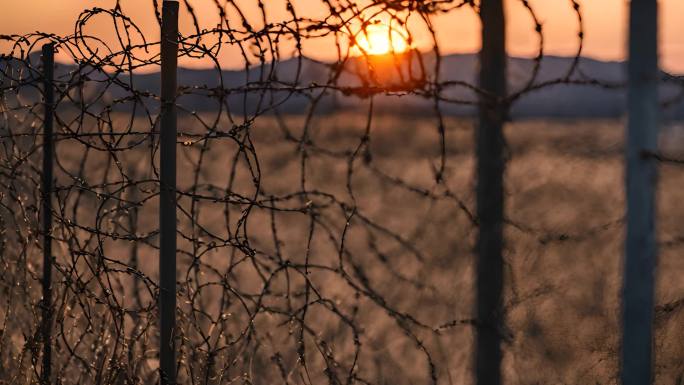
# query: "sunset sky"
457,31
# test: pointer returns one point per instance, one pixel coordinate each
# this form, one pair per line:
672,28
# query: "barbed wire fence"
304,253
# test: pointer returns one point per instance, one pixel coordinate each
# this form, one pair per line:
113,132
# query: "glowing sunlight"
380,39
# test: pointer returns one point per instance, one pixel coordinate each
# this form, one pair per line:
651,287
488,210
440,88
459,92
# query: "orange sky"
457,31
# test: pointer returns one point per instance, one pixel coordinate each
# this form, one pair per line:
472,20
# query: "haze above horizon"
456,31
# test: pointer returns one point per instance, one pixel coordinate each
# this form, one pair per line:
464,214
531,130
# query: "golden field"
335,257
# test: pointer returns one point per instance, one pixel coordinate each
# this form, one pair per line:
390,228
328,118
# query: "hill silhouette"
245,90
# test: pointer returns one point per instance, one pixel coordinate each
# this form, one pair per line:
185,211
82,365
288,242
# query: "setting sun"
380,39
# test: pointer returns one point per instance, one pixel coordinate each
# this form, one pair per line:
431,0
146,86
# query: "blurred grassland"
408,249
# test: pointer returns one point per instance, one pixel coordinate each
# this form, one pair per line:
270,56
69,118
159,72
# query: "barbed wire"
305,254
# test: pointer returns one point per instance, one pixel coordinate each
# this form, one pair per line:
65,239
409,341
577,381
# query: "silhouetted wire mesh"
325,231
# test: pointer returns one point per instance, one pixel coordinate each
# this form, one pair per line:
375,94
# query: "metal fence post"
490,205
641,179
47,188
167,193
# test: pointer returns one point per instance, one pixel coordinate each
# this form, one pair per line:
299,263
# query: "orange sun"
380,39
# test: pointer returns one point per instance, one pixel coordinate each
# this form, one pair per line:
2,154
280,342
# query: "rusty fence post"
167,194
48,58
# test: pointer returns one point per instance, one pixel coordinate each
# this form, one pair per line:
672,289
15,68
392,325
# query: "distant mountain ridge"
562,100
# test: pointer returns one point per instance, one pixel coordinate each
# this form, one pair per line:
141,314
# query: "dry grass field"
347,262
